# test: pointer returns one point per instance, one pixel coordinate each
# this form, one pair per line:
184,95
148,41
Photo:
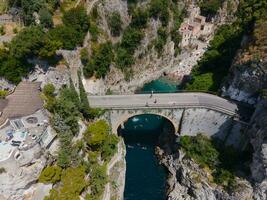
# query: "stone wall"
189,121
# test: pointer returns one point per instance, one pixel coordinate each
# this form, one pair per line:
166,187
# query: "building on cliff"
195,28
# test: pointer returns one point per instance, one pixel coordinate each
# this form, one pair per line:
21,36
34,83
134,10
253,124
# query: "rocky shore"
188,181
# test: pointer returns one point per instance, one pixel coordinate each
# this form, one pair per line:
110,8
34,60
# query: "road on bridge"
167,100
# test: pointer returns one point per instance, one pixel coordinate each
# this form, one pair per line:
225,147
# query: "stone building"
194,28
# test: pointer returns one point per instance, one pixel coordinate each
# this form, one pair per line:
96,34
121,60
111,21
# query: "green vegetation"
49,90
65,112
99,62
3,94
93,28
3,6
2,170
84,107
50,174
2,30
215,63
67,5
178,16
99,139
210,7
72,184
45,18
97,145
98,180
161,40
101,144
264,93
217,60
131,38
160,9
71,33
114,22
222,160
258,47
30,6
33,41
130,41
67,108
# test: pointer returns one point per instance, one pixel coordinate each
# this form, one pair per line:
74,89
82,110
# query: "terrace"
23,122
22,133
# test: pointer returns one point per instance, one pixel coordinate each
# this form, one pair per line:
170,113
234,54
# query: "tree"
114,22
73,183
123,59
84,56
139,18
159,9
26,43
50,174
2,30
49,90
210,7
13,69
48,51
100,61
45,18
84,108
29,7
3,94
77,19
98,180
66,35
2,170
131,39
96,133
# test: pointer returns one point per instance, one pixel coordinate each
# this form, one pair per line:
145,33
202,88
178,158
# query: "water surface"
160,85
145,178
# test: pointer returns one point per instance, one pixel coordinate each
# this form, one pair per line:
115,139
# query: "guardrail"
164,106
175,91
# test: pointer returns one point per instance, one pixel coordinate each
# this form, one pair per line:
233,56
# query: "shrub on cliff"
50,174
99,139
223,160
114,22
210,7
72,184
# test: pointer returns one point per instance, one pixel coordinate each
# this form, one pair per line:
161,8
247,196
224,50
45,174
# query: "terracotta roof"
24,101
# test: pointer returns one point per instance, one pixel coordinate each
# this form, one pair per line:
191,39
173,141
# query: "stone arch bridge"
190,113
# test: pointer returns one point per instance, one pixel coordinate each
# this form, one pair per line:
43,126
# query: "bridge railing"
175,91
172,106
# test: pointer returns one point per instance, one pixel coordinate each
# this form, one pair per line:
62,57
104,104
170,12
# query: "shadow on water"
145,178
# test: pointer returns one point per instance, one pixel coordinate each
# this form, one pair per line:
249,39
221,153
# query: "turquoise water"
145,178
160,85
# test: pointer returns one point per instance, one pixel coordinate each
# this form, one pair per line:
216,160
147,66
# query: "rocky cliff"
247,78
258,138
147,59
246,82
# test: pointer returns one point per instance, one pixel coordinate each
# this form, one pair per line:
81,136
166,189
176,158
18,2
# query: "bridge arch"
122,118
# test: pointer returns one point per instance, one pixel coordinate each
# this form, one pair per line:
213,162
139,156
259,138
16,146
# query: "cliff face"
248,75
258,138
146,57
188,181
246,80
